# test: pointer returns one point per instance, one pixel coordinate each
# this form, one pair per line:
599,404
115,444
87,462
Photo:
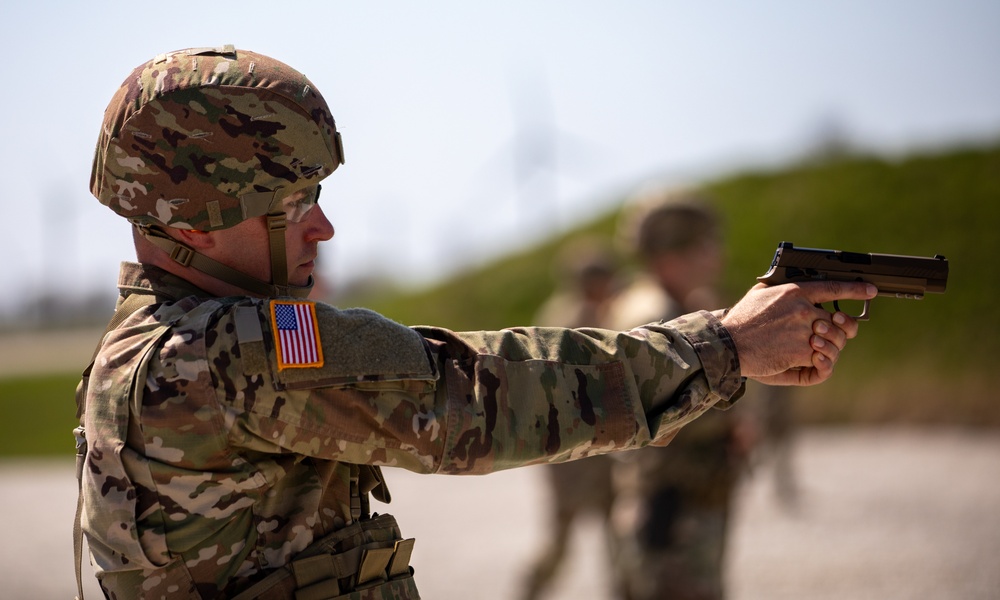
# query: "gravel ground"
882,513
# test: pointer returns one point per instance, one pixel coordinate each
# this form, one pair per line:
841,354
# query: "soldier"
232,431
587,271
674,501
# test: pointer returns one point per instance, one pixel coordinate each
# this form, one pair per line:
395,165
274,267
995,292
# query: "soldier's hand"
783,336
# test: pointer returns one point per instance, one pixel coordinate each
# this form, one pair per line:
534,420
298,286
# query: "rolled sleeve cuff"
717,351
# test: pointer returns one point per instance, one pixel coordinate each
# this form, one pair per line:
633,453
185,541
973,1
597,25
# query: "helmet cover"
205,138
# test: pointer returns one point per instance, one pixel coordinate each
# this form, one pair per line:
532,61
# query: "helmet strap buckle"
182,254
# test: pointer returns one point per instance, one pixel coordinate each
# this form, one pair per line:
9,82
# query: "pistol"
893,274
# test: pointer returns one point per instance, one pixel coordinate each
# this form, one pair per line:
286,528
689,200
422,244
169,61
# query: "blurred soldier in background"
673,502
586,270
776,448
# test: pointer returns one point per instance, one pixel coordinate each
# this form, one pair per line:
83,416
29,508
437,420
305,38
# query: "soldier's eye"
298,205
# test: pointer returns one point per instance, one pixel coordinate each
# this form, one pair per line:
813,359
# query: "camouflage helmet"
205,138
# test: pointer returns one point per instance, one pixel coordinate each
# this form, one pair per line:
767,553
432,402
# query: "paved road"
884,514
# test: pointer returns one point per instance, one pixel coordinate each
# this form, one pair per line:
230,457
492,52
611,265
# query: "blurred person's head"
588,265
676,235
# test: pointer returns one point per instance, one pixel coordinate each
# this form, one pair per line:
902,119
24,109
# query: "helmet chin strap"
188,257
276,225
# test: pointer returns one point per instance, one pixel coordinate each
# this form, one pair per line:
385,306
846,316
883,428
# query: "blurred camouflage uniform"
673,502
214,458
586,269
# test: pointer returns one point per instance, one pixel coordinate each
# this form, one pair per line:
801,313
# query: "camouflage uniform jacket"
207,458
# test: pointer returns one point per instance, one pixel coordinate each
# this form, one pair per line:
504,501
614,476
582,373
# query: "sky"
475,128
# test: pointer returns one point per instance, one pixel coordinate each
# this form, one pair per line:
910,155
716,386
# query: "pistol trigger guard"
864,316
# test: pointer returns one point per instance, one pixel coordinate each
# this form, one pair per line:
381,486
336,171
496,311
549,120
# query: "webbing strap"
129,305
81,456
365,480
188,257
276,238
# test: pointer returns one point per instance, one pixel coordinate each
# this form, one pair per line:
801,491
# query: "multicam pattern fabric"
208,466
673,503
191,133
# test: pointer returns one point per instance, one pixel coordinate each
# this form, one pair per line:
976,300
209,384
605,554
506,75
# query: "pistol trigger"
864,316
836,306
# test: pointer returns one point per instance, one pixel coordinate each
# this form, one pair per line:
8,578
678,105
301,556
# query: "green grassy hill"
914,361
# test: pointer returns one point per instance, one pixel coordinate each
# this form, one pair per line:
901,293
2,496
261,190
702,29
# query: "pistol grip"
864,316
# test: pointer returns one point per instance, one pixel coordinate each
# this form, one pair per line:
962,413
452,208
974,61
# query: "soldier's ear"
194,238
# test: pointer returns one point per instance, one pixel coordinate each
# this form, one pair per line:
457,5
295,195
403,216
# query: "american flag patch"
296,334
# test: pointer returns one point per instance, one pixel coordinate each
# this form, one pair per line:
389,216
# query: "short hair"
662,220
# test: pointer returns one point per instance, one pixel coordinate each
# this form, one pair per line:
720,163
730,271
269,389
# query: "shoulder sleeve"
356,345
304,344
340,402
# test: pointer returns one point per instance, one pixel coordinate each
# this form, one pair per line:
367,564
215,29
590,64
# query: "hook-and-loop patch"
296,334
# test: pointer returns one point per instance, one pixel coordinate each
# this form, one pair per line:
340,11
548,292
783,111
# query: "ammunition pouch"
367,560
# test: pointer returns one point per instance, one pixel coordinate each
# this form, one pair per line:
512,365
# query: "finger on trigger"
828,291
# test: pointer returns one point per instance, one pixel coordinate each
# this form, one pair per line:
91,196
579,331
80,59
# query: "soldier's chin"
300,276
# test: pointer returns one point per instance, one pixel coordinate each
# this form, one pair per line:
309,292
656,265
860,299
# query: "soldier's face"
302,244
246,247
